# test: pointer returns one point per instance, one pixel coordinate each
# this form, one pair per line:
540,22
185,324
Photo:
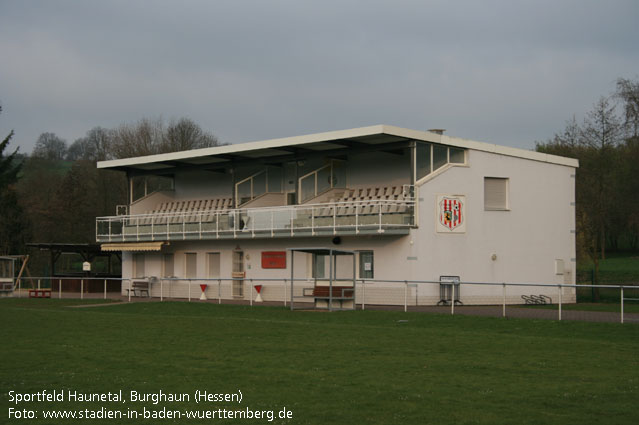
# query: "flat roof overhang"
134,246
322,251
336,143
373,138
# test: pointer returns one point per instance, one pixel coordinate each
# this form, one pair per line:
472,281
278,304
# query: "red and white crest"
451,213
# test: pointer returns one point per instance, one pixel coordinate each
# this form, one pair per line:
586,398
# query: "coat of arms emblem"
450,212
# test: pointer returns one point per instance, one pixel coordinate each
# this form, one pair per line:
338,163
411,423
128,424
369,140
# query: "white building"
415,205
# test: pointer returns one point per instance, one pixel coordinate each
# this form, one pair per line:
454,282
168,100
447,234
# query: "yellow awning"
134,246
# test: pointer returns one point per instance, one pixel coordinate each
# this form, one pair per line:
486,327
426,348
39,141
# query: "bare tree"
628,92
186,135
596,143
149,136
139,139
49,146
95,146
601,133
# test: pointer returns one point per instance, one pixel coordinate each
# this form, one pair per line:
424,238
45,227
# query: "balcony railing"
371,216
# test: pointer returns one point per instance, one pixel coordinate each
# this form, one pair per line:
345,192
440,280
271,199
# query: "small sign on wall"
273,259
451,214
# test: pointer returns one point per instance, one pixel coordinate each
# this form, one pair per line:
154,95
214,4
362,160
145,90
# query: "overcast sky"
506,72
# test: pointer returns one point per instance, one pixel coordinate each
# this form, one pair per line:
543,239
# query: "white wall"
526,239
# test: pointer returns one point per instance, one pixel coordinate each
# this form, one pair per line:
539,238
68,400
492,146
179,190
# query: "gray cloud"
506,72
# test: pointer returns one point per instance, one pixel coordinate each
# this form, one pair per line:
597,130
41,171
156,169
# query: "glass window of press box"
431,157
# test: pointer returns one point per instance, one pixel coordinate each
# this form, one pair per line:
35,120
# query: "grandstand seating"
361,207
356,207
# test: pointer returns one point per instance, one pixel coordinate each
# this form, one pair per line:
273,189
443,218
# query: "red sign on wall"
273,259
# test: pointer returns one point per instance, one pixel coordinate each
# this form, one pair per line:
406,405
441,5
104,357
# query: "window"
440,156
423,160
238,261
167,265
190,265
319,266
456,156
495,194
366,269
138,265
238,267
431,157
213,264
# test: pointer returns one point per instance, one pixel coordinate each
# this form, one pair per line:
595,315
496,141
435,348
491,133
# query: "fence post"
19,288
405,296
503,309
81,289
188,282
38,284
592,288
363,295
59,288
284,292
105,288
130,289
559,286
452,301
161,289
622,304
251,292
219,291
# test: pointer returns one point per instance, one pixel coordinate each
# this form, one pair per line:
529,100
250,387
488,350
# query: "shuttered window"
191,265
495,194
138,265
213,259
167,265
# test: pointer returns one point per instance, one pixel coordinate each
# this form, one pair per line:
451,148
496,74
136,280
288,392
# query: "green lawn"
360,367
617,268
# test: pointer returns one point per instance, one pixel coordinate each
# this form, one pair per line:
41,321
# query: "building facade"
414,205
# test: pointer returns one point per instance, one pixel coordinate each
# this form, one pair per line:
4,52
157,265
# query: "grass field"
617,268
361,367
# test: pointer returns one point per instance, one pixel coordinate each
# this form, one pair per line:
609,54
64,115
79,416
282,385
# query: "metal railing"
408,295
371,216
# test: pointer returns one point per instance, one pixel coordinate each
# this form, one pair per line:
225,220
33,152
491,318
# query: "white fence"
501,299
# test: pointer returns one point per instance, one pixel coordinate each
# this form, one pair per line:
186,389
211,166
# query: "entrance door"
238,274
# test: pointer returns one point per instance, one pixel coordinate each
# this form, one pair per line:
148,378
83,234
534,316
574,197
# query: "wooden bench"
338,292
138,287
39,293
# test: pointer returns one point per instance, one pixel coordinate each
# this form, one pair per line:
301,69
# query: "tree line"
606,143
146,137
54,193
